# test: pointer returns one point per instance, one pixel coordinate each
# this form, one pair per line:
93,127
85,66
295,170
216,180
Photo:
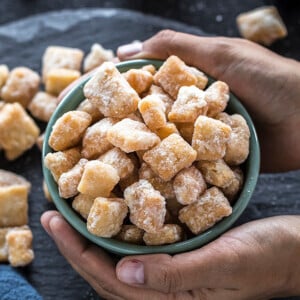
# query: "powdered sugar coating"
130,234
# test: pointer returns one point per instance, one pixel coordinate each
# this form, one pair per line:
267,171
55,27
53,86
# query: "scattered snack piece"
4,72
111,93
69,129
188,185
146,206
150,68
106,216
42,106
232,190
8,178
40,141
168,234
46,192
166,130
83,204
21,85
140,80
210,138
97,56
262,25
89,108
18,132
210,208
170,156
130,234
186,130
131,136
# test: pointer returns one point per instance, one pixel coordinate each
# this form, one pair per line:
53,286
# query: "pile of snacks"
150,156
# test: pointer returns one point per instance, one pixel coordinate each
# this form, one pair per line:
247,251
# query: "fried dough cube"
130,136
69,129
235,186
237,149
46,192
140,80
174,74
130,234
18,132
210,208
95,142
89,108
168,234
21,85
189,105
42,106
147,207
119,160
56,57
262,25
96,57
216,172
2,103
4,72
58,79
210,138
19,243
150,68
166,130
83,204
106,216
98,179
153,112
68,182
170,156
8,178
188,185
109,91
186,130
163,96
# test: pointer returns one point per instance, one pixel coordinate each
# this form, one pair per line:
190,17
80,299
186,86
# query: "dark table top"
23,42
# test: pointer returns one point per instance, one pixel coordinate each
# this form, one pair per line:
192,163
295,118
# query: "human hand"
267,84
257,260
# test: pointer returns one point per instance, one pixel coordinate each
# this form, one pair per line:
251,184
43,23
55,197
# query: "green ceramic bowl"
251,166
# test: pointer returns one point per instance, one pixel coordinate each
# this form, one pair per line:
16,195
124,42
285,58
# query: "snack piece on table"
83,204
21,85
262,25
235,186
210,208
168,234
46,192
210,138
170,156
8,178
130,234
140,80
69,129
147,207
18,131
40,141
186,130
109,91
89,108
4,72
106,216
150,68
130,136
166,130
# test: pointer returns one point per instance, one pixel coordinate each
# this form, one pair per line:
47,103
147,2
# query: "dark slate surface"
23,43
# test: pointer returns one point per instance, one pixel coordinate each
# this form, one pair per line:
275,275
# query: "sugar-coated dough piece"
168,234
210,138
210,208
130,136
186,130
140,80
147,207
62,161
166,130
8,178
150,68
97,56
216,172
40,141
58,79
2,103
235,186
98,179
89,108
42,106
189,105
152,110
262,25
4,72
106,216
188,185
18,131
46,192
95,142
170,156
56,57
69,129
217,97
119,160
69,181
21,85
109,91
130,234
83,204
174,74
19,243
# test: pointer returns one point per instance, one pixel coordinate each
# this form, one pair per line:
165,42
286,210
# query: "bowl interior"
251,168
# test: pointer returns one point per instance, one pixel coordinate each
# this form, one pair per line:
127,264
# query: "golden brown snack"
46,192
83,204
186,130
232,190
140,80
89,108
8,178
150,68
130,234
4,72
166,130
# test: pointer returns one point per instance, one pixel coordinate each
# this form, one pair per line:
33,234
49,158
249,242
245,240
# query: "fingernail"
130,49
131,272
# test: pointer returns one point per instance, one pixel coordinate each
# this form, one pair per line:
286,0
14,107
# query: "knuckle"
166,34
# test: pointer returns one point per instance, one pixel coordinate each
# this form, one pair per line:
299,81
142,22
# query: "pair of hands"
257,260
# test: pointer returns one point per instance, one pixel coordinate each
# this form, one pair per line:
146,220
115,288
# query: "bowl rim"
122,248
